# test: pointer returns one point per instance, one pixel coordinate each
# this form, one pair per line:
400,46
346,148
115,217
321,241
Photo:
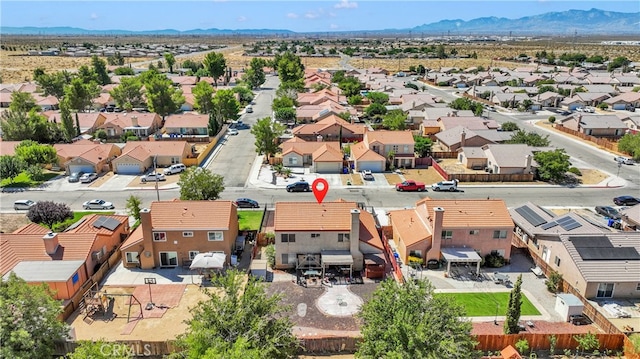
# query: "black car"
626,201
299,187
608,211
579,319
75,177
246,203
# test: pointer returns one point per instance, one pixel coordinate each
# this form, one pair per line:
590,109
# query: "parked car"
175,168
88,177
367,175
153,177
97,204
75,177
410,185
232,132
300,186
579,319
626,201
450,186
608,211
249,109
246,203
624,160
23,204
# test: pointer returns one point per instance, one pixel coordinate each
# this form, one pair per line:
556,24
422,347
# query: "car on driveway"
97,204
624,160
626,201
23,204
75,177
608,211
175,168
300,186
88,177
247,203
153,177
367,175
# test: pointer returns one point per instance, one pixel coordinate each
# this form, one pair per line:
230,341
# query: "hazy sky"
299,15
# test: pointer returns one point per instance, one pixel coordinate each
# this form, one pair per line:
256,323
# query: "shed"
258,269
567,305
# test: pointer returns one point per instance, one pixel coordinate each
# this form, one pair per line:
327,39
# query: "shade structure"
208,261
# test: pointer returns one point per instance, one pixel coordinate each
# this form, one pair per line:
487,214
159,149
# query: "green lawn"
249,220
23,180
484,304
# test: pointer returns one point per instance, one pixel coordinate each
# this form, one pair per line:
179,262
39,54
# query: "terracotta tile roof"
189,120
87,224
409,226
303,148
360,152
469,213
141,150
87,120
389,137
98,153
32,228
45,100
8,147
369,231
90,152
327,153
103,98
136,237
123,120
194,215
139,153
311,216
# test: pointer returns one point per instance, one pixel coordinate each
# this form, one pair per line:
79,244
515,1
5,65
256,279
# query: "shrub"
415,260
603,106
522,345
552,119
35,173
554,281
270,251
575,171
494,260
101,134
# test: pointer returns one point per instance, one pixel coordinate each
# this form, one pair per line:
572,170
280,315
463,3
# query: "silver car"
23,204
97,204
88,177
153,177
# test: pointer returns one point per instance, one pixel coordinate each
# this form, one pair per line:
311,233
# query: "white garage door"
81,168
328,167
373,166
128,169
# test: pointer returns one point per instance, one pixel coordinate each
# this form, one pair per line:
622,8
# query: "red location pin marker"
320,188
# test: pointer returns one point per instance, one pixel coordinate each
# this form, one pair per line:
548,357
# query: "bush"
415,260
552,119
554,282
35,173
494,260
575,171
270,251
603,106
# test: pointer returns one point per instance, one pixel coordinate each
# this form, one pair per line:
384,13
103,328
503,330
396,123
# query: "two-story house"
172,233
381,147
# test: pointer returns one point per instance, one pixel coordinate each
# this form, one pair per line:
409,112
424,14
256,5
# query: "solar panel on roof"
613,253
564,219
530,216
110,224
98,222
571,225
591,242
549,225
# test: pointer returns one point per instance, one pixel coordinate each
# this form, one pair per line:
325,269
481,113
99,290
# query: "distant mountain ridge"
570,22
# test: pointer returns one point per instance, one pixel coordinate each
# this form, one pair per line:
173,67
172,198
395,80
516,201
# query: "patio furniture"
537,271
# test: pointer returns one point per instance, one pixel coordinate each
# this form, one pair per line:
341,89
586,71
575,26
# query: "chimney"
134,121
463,137
51,243
436,237
354,240
527,164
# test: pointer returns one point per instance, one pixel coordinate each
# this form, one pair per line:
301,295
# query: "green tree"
19,126
54,84
216,65
630,143
99,350
80,94
408,321
116,59
66,121
350,86
375,109
200,184
162,97
245,95
378,97
510,126
514,308
266,134
255,76
226,105
49,213
128,94
11,166
529,138
338,76
552,165
286,114
203,97
23,102
282,102
171,60
290,70
587,341
29,317
87,75
124,71
395,120
618,62
242,322
34,153
134,205
100,69
422,145
463,103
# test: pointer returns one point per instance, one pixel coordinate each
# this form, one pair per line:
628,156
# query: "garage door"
619,106
128,169
373,166
81,168
328,167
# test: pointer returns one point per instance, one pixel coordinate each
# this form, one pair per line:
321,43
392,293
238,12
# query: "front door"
168,259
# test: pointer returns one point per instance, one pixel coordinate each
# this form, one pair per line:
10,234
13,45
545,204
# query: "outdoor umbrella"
208,261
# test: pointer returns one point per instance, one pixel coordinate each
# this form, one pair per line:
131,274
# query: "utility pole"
155,167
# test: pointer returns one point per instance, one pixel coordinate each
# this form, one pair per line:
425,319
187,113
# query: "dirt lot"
9,222
426,176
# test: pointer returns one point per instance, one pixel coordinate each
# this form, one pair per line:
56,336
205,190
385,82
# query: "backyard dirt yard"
9,222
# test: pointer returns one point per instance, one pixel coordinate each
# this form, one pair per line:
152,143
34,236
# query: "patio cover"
337,258
208,261
461,255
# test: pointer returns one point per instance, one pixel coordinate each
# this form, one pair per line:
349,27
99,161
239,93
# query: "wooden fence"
444,154
602,142
439,169
392,259
490,177
540,341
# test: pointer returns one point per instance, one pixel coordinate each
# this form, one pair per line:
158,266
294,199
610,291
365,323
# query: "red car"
410,185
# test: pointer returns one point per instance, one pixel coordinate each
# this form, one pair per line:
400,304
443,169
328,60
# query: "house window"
287,238
605,290
502,234
343,237
556,260
376,149
215,236
395,148
474,232
187,234
75,278
638,287
415,253
406,149
293,161
132,257
285,258
193,254
175,160
315,235
447,234
159,236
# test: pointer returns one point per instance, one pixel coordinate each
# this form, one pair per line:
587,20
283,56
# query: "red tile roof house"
142,124
340,234
138,156
86,156
331,128
314,113
89,122
453,230
64,261
8,147
322,157
373,152
188,124
172,233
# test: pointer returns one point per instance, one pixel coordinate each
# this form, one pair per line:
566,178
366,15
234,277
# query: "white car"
88,177
97,204
450,186
175,168
24,204
367,175
624,160
153,177
232,132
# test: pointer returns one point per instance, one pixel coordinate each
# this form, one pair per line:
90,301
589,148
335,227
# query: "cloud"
242,18
311,15
333,26
292,15
345,4
93,16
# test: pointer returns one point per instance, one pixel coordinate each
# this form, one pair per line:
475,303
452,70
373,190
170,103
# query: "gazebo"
461,255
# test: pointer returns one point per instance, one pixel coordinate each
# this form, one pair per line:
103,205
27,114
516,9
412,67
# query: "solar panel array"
549,225
530,216
567,223
106,222
601,248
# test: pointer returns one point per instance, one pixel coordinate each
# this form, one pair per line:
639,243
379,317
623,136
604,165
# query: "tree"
227,105
87,74
23,102
124,71
203,97
19,126
282,102
408,321
514,308
338,76
34,153
171,60
422,145
49,213
529,138
350,86
128,94
243,322
618,62
266,134
100,350
630,143
290,70
29,317
375,109
162,97
378,97
286,114
395,120
200,184
116,59
463,103
552,165
100,69
66,121
52,85
216,65
510,126
587,341
245,95
133,206
80,94
11,166
255,76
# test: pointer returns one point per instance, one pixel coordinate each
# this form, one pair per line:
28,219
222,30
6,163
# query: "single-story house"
137,157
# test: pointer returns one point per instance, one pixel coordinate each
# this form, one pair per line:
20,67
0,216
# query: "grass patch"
484,304
23,180
249,220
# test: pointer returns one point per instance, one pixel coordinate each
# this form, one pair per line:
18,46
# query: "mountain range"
571,22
